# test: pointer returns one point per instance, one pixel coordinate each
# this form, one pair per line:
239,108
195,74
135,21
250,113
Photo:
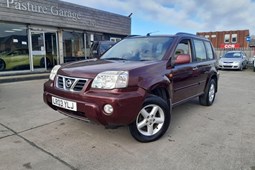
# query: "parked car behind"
233,60
137,82
253,63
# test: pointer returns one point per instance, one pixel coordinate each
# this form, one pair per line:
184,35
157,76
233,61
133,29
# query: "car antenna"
149,34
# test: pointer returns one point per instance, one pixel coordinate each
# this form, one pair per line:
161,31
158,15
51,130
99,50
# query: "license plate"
69,105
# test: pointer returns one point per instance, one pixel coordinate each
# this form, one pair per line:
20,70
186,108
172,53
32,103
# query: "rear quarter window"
209,50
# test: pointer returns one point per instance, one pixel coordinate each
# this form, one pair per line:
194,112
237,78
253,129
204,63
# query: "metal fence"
250,52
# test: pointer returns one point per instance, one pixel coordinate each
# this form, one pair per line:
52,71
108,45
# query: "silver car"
233,60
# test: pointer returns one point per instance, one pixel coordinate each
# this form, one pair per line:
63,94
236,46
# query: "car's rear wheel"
2,65
208,97
152,121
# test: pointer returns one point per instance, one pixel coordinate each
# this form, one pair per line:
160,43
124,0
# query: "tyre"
152,121
254,68
241,68
208,97
2,65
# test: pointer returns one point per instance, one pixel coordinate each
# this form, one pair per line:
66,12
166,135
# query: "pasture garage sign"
51,10
60,14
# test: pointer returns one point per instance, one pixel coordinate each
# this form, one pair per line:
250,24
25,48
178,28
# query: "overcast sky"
171,16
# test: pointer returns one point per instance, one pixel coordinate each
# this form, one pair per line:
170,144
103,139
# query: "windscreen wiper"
114,58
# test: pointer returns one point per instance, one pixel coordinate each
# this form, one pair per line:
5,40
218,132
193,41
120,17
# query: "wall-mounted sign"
36,8
226,46
248,38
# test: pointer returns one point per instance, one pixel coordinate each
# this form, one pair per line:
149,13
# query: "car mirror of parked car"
182,59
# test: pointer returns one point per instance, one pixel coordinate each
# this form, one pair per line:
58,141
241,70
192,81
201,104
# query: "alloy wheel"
150,120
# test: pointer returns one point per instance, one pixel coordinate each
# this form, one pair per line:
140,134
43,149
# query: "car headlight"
54,72
111,80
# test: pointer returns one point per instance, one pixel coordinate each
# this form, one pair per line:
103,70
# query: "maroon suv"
136,83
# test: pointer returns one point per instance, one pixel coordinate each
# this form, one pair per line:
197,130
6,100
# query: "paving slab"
22,107
17,154
4,132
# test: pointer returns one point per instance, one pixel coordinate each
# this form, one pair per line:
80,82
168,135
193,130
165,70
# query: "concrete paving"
222,136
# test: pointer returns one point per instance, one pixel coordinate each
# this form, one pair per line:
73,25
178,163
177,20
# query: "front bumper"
126,104
229,66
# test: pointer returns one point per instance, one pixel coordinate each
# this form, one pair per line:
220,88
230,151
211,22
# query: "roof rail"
184,33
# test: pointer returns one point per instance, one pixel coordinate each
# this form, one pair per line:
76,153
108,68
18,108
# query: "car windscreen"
139,49
233,55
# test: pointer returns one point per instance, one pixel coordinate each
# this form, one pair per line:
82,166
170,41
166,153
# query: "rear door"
203,59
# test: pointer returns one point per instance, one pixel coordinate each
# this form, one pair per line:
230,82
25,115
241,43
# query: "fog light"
108,109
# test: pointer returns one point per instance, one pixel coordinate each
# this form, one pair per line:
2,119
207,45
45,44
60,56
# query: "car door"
184,76
204,59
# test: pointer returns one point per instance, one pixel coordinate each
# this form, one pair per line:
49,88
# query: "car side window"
200,50
183,47
209,50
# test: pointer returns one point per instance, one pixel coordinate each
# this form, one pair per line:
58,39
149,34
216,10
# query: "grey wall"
63,15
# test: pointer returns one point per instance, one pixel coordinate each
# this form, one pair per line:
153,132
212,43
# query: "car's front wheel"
152,121
241,68
2,65
208,97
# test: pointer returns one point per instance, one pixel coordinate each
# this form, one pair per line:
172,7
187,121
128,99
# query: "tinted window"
209,50
200,50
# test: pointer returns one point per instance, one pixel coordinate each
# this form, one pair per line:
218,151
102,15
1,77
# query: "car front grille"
70,83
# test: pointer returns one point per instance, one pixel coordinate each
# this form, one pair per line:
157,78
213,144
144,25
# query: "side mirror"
182,59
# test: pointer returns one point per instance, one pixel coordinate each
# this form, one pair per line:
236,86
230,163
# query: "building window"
227,38
213,36
234,38
207,36
13,47
73,43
